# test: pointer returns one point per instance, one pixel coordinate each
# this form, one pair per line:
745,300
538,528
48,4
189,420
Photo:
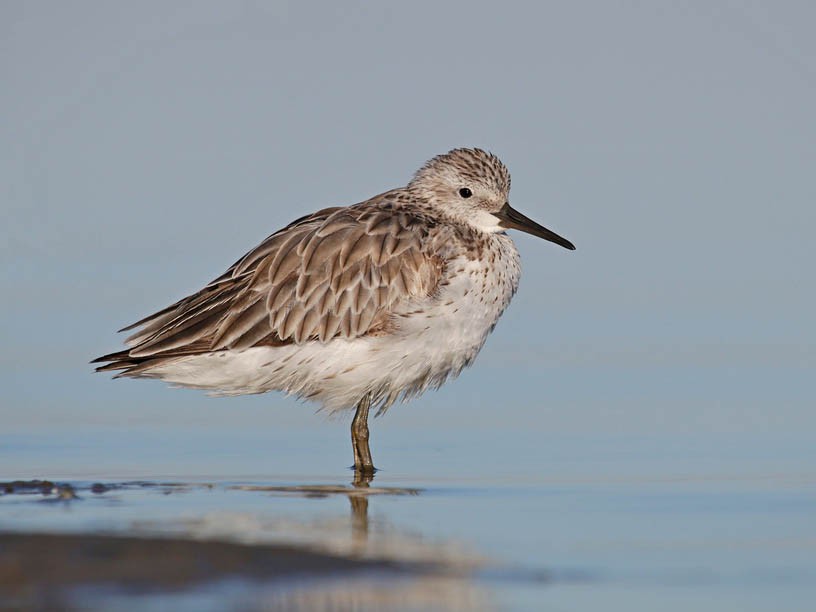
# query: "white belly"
434,340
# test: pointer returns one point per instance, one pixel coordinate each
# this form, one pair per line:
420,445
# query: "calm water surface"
512,520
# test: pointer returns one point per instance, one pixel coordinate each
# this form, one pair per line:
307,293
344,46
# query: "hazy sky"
145,146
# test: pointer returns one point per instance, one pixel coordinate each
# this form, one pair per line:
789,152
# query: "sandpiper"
353,306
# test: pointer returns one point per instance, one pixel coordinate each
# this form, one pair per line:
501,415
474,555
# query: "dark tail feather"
116,365
117,356
132,365
115,361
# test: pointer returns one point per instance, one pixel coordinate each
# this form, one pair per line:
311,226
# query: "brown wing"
340,272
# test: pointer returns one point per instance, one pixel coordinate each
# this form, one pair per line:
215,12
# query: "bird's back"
339,273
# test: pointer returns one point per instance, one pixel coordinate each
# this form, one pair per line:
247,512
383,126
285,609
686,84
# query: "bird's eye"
465,192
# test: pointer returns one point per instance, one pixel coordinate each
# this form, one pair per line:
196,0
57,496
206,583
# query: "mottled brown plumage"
357,305
336,273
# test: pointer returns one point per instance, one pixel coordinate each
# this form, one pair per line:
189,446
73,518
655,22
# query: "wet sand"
39,568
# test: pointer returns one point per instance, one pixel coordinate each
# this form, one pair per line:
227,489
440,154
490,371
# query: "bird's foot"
363,474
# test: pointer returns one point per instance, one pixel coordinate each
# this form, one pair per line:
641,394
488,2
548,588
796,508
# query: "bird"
352,307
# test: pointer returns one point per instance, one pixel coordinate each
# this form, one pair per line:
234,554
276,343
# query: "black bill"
513,219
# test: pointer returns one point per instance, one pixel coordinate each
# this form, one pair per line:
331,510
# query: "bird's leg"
363,466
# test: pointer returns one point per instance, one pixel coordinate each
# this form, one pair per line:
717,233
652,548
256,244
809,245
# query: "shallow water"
714,522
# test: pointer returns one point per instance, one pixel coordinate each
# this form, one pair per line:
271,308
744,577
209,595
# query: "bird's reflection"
358,493
415,572
359,511
446,587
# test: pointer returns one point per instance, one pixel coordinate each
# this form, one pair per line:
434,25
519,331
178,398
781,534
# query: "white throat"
485,222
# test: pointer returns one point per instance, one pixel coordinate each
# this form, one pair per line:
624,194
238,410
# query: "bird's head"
473,186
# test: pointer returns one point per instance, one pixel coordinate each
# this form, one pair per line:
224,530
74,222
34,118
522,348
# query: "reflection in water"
438,575
359,523
359,512
358,495
268,557
341,592
442,581
413,594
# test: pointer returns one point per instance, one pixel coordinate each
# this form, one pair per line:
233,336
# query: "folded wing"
339,273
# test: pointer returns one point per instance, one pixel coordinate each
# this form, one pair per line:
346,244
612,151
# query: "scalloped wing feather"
341,272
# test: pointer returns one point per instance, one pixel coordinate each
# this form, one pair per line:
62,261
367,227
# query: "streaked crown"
464,166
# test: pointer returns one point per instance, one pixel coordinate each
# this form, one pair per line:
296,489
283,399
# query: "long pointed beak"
510,218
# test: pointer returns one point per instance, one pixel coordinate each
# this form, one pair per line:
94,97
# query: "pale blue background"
147,145
644,411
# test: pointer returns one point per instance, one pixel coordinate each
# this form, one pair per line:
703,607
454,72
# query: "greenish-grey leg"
363,466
